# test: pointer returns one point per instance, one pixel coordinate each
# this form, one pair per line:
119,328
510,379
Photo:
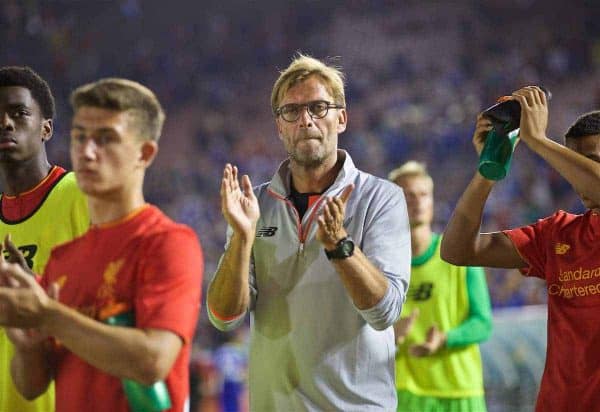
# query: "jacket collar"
280,183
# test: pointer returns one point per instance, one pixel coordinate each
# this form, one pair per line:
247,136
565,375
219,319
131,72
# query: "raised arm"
582,173
30,366
378,295
31,345
229,291
363,281
462,243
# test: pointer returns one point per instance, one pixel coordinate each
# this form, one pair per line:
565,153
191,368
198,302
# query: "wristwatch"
344,249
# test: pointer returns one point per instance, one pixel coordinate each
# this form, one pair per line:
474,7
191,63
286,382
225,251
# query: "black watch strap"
344,249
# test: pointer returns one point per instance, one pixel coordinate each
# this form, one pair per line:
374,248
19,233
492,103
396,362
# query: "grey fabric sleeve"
386,243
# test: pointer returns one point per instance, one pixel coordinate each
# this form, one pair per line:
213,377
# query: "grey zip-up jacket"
311,349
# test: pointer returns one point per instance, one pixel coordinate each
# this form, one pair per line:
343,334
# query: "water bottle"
141,398
496,156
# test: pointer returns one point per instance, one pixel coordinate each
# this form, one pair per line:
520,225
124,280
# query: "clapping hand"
238,203
434,341
31,338
15,255
331,220
403,326
22,300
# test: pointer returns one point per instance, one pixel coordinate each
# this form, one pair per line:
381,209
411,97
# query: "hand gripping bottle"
141,398
496,156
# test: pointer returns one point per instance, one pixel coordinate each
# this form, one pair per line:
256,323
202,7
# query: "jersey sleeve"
477,327
168,292
386,243
531,242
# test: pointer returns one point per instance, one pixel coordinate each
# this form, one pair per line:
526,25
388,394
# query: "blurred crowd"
417,75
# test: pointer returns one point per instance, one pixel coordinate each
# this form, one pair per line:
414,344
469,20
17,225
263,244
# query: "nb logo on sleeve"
266,231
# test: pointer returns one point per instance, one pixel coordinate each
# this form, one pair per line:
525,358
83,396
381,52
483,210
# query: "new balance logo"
266,231
561,248
28,252
421,291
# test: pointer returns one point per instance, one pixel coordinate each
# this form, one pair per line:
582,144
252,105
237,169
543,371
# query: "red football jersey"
144,263
564,250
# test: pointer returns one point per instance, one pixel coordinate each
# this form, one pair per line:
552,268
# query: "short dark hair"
124,95
24,76
587,124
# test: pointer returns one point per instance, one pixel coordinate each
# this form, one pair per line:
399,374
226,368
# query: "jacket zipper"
301,232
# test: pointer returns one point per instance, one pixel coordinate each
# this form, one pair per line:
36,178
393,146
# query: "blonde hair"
412,168
300,69
124,95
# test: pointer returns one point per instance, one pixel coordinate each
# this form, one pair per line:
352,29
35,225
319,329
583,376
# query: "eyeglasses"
316,110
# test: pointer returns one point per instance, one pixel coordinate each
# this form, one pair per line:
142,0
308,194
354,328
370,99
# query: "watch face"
347,247
344,249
